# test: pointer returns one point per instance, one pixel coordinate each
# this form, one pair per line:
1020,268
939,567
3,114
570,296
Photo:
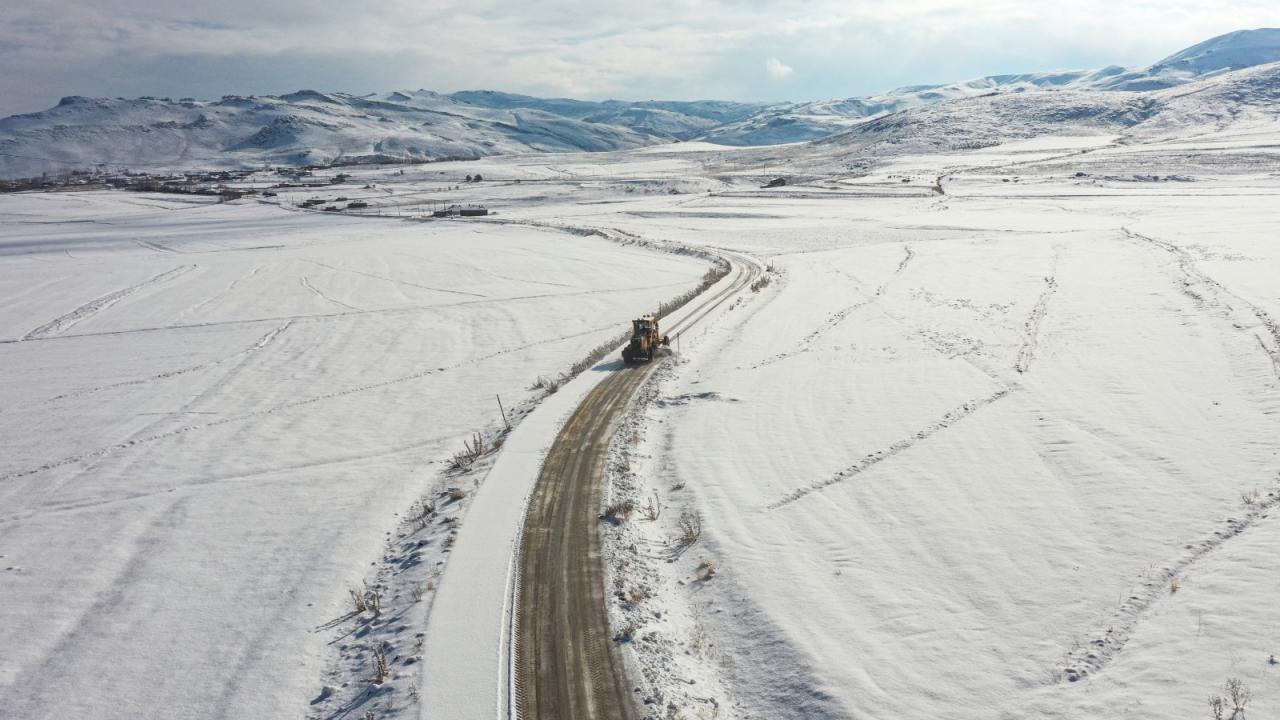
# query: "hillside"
301,128
806,121
668,119
1233,99
314,128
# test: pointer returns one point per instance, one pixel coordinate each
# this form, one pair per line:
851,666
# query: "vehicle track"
306,283
146,436
1199,287
951,418
339,315
1027,353
395,281
838,317
1089,658
62,323
255,347
566,664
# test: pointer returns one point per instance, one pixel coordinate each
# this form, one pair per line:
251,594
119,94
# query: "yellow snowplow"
645,340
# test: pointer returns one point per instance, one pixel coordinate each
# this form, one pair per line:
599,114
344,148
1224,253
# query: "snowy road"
568,663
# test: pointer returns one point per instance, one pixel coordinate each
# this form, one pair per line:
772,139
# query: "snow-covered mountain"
662,118
1223,100
1233,51
810,120
309,127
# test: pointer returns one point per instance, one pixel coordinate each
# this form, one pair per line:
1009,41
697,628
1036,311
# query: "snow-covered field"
998,439
1009,452
213,415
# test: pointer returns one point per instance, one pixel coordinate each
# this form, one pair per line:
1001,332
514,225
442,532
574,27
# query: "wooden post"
504,412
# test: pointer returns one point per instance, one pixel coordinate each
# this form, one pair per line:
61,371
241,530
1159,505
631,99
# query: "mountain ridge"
310,127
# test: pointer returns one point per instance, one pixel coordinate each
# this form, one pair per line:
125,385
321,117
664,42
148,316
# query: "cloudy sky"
665,49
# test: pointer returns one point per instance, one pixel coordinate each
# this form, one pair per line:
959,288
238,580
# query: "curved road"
567,664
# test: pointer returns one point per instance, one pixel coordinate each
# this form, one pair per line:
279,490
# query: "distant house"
461,211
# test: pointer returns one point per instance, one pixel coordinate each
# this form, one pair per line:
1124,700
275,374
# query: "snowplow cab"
645,340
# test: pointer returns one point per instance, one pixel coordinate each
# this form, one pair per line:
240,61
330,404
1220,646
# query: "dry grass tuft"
366,599
698,640
1217,707
626,634
421,512
653,509
381,668
358,602
472,450
1237,693
549,384
619,511
690,529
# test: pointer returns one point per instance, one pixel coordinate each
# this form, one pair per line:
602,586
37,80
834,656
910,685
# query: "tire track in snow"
225,292
152,430
246,476
134,442
902,265
306,283
399,309
807,342
879,456
1198,286
62,323
1091,657
149,245
395,281
83,625
1027,353
260,344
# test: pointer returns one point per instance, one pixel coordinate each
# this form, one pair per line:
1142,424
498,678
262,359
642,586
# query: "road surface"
567,663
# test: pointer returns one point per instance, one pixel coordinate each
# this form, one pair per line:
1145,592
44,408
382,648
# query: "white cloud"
778,70
667,49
